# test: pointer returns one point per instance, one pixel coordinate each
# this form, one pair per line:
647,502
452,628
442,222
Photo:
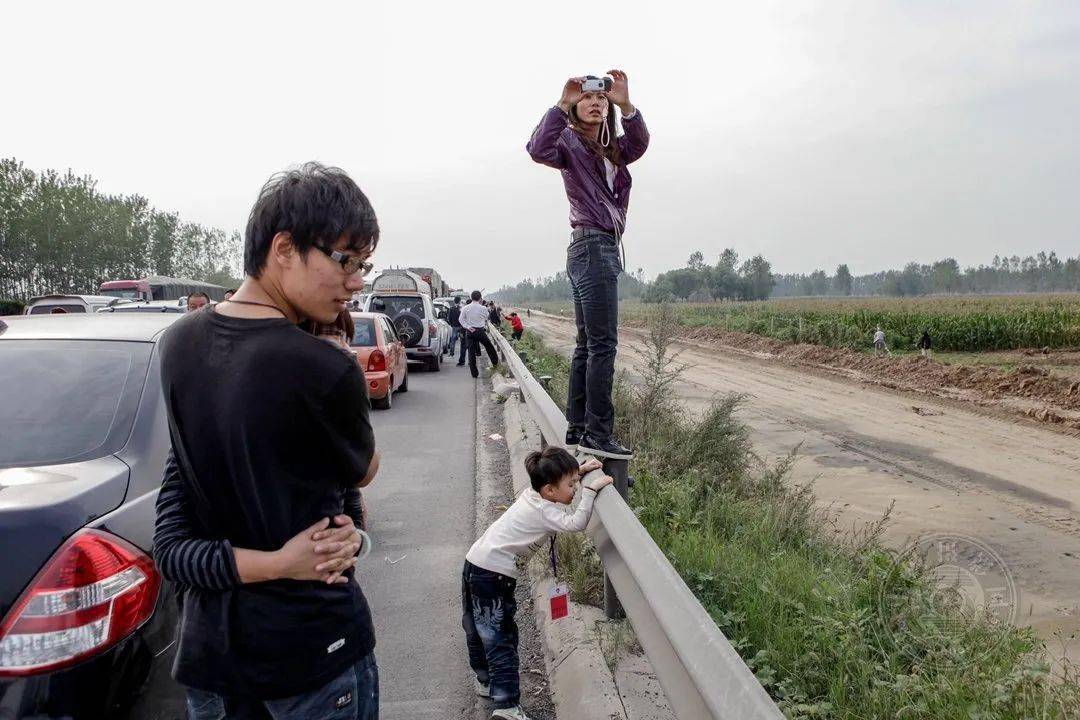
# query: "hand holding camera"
615,88
619,92
571,93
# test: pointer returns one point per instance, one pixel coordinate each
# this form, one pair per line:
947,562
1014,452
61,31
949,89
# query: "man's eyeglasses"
351,264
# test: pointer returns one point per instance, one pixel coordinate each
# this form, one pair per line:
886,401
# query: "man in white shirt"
474,319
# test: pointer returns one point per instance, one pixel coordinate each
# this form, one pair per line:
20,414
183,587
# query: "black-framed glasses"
351,264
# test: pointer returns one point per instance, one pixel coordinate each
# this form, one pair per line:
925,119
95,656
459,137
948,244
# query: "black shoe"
461,364
604,448
573,438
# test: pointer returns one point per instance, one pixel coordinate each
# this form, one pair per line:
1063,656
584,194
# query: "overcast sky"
871,133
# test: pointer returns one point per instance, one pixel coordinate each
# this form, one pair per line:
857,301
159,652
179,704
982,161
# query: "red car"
381,356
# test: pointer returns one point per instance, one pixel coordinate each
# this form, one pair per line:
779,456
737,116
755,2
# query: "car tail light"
376,361
432,330
95,590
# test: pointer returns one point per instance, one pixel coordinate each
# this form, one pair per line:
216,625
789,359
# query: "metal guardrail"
700,672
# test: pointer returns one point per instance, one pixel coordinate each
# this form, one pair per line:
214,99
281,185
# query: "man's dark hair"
198,293
476,295
549,467
231,290
457,300
317,205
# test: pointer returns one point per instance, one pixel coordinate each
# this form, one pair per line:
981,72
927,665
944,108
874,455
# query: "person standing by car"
270,428
579,138
474,318
454,318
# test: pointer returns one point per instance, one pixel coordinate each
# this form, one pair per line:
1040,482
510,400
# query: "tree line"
697,282
60,234
1043,272
753,279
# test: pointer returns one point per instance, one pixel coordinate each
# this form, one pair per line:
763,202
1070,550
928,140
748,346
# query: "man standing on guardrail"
474,319
579,137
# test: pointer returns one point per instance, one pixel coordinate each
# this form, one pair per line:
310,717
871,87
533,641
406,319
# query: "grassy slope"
833,627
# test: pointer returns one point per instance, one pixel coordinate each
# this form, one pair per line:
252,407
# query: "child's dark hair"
549,467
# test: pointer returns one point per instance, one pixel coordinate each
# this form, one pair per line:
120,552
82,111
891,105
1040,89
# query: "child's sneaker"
481,689
514,713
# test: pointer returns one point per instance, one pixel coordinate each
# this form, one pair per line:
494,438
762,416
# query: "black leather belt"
584,232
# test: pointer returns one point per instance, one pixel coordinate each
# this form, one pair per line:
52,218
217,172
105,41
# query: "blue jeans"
593,266
455,334
488,608
352,695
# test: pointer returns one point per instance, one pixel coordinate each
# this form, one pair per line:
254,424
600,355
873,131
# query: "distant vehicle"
433,279
88,626
155,306
60,304
381,356
406,299
159,287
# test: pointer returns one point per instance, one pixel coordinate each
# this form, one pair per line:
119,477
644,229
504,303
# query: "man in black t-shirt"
270,429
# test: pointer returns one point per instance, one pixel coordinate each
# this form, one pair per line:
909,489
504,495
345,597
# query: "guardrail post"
619,470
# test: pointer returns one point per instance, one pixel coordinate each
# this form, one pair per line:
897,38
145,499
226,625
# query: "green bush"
11,307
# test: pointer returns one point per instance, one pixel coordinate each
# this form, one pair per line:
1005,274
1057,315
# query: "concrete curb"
582,686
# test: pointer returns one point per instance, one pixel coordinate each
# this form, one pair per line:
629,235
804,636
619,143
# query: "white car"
61,304
415,322
442,311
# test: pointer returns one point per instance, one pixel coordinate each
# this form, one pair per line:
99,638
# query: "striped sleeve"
181,557
354,507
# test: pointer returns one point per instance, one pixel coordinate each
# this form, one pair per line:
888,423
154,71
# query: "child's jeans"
488,609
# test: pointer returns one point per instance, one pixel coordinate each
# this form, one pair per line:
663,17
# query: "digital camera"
595,84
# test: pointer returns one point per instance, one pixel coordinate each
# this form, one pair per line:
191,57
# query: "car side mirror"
441,315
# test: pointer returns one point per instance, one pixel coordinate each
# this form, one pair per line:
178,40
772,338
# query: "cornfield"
972,323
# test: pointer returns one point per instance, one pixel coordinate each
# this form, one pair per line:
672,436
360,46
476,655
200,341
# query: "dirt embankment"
1029,389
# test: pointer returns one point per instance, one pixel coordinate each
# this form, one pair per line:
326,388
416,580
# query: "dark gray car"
88,623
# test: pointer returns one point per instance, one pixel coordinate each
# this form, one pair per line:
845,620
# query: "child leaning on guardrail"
490,575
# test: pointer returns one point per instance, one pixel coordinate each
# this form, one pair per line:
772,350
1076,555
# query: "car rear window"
68,400
365,332
46,309
394,306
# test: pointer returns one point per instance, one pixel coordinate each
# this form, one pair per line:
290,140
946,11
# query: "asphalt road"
421,511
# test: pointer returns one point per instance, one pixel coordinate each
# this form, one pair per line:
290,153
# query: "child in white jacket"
490,575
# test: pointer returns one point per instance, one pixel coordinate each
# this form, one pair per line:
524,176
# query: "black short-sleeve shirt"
269,426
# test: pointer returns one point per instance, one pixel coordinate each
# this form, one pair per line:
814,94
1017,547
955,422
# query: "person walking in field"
579,138
925,343
880,348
